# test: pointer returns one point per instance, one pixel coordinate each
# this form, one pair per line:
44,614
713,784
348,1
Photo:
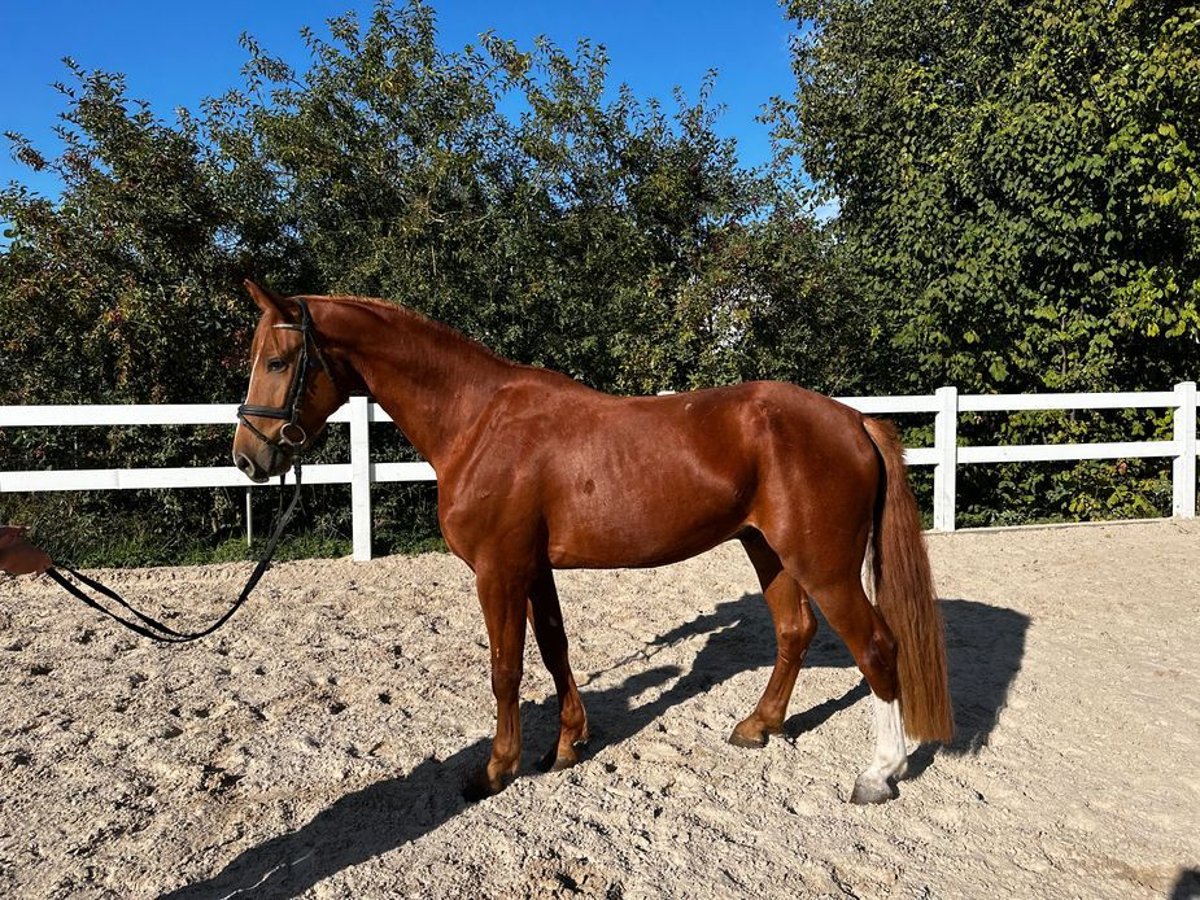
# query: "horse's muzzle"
256,471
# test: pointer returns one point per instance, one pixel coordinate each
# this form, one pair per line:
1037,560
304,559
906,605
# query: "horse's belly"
652,522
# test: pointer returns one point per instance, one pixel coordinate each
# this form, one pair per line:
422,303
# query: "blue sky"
175,54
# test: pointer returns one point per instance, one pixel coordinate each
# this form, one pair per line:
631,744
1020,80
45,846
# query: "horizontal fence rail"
361,471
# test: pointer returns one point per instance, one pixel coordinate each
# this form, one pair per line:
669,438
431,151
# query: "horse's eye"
276,365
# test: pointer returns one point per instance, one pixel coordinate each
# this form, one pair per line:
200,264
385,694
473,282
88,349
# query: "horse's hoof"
870,790
481,786
552,762
556,762
743,737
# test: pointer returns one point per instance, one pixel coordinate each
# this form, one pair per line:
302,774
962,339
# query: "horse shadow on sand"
1187,885
985,645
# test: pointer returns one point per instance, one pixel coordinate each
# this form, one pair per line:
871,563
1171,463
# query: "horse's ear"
268,301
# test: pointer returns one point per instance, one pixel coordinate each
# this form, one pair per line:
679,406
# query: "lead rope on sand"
152,628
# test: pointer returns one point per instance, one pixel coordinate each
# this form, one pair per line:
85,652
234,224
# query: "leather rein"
308,359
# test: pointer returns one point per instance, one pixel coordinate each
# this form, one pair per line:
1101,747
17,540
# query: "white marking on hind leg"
891,752
891,755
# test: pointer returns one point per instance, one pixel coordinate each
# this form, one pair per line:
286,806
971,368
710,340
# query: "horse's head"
292,389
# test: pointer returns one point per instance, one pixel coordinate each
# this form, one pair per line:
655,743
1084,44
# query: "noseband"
291,434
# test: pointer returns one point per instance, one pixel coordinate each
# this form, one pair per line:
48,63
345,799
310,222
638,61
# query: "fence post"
1183,468
249,518
945,442
360,477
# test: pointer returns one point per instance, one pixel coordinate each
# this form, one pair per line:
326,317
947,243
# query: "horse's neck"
431,380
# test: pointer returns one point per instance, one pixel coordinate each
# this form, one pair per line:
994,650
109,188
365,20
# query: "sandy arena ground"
316,746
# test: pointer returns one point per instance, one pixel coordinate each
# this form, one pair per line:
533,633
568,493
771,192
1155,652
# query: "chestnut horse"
536,471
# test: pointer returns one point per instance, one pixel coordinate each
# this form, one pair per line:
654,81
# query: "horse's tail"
905,595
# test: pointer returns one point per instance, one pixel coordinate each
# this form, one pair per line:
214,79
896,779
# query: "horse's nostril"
243,462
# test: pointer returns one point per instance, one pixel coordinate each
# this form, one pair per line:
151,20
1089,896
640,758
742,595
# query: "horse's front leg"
502,595
546,615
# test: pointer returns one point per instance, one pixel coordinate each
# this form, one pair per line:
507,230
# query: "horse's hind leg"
849,611
545,614
795,626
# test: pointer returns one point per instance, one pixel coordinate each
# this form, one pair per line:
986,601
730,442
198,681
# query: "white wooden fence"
361,471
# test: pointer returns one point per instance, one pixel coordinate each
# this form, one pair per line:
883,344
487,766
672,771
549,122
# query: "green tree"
121,290
603,237
104,292
1019,189
507,192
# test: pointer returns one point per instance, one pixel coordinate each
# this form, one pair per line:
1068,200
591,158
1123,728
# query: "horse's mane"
452,335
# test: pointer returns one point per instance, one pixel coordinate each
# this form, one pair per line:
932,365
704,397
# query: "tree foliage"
1017,187
506,193
1021,180
510,192
1019,190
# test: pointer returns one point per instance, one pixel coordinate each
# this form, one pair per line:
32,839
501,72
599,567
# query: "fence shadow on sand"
985,645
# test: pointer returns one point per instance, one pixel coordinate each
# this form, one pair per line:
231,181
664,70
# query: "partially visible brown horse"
18,556
537,472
